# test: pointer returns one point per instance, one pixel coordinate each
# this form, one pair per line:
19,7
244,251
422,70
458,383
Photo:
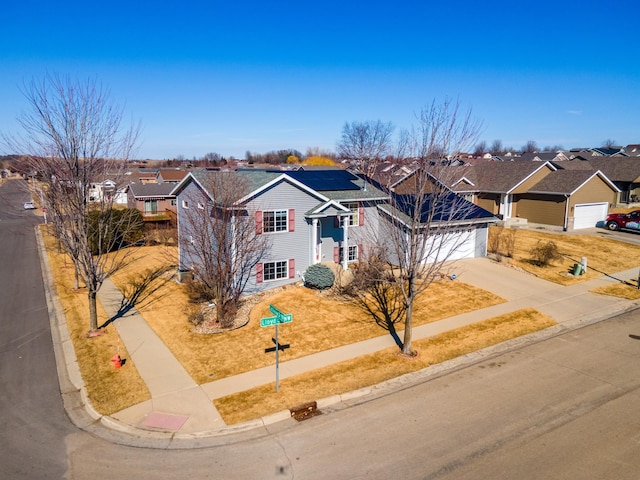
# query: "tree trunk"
93,310
408,322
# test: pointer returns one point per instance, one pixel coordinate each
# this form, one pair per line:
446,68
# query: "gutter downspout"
566,212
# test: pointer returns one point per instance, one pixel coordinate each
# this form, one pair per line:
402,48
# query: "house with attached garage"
538,192
623,171
444,227
308,216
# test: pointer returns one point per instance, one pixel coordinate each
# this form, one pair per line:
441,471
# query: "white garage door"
454,245
586,215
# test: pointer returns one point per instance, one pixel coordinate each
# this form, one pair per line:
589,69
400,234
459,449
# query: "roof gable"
504,177
328,208
140,190
568,182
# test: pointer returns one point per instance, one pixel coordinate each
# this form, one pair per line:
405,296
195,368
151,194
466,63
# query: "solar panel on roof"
320,180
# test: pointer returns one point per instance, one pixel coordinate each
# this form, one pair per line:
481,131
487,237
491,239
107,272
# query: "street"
33,423
565,407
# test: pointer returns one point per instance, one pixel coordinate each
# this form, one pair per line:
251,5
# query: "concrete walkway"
179,405
177,402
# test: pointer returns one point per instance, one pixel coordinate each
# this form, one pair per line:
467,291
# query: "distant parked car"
617,221
29,206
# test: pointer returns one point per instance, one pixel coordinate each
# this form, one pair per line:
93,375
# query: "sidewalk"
177,402
180,409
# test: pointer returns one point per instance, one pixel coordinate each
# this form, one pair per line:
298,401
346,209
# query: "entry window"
353,219
275,270
353,253
275,221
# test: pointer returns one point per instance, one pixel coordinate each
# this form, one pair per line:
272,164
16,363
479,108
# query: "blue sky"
221,77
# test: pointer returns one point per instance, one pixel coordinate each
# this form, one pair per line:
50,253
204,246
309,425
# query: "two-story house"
309,217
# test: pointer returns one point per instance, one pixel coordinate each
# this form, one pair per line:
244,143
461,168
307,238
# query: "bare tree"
480,149
530,147
73,137
496,147
608,143
423,230
219,240
366,143
553,148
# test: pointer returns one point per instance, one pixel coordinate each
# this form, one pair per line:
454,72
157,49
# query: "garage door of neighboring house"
586,215
456,244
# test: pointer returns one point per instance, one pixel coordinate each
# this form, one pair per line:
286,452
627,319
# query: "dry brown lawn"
623,290
622,209
110,390
603,255
377,367
320,321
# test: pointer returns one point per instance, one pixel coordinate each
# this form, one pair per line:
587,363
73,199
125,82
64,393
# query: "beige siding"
407,186
594,191
532,180
489,201
545,209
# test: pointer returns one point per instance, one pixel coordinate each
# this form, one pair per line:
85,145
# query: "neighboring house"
107,190
623,171
311,216
607,151
572,199
633,150
544,156
144,175
170,175
539,193
154,200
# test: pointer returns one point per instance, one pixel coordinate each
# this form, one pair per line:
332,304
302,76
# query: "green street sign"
268,321
274,310
278,319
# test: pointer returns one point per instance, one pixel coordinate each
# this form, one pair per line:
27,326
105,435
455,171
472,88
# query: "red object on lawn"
117,361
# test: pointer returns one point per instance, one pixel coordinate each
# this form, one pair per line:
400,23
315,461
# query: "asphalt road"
566,408
32,421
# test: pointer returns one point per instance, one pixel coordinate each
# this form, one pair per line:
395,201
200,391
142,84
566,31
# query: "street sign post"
276,320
